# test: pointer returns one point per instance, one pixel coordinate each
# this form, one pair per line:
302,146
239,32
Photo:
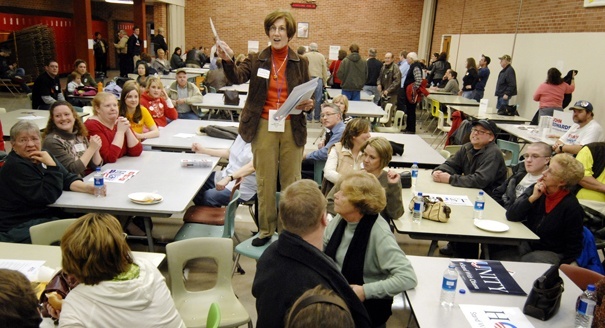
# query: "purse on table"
545,297
231,97
434,210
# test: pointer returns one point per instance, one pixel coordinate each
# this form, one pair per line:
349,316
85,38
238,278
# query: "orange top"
278,87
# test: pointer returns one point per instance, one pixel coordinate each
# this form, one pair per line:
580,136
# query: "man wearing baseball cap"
506,87
585,130
478,164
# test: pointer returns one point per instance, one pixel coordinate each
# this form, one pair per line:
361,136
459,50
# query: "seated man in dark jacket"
478,164
295,263
524,175
30,180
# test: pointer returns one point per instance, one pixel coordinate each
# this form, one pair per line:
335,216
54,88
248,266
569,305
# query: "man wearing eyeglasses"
331,119
584,130
524,175
478,164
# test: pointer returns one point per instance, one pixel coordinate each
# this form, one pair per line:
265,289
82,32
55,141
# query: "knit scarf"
352,266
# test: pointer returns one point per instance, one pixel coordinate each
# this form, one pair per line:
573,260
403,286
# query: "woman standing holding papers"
65,138
272,73
115,132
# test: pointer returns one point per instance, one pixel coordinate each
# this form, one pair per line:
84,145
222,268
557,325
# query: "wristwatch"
561,148
230,177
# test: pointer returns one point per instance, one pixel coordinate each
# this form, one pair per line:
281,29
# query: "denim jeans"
209,196
467,94
478,95
352,94
501,102
189,116
372,90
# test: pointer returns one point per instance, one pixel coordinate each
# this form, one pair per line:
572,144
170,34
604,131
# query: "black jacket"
507,82
505,194
289,267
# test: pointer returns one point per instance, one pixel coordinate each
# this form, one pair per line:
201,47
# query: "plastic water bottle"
479,206
417,214
414,174
448,286
98,182
585,308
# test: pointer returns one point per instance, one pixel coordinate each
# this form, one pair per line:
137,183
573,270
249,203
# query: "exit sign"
303,5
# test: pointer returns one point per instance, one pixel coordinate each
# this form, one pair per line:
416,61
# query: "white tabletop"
159,172
180,134
52,254
196,71
453,100
473,111
364,96
216,101
529,133
415,150
364,109
36,116
170,76
424,299
439,92
240,88
460,226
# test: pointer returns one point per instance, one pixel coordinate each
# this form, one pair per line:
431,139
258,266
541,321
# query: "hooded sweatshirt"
140,302
353,72
159,109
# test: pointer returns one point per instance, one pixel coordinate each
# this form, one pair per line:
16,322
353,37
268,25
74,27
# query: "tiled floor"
201,272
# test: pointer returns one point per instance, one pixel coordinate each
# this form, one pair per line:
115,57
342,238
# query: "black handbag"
508,110
231,97
545,297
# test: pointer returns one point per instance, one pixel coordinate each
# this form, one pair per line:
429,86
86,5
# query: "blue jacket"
589,258
322,153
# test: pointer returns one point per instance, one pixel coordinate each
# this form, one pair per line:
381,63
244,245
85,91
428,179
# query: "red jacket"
158,108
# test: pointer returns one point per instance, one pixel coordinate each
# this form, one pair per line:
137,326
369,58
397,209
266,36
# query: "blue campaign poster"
487,277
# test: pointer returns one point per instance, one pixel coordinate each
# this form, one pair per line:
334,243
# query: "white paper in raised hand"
218,40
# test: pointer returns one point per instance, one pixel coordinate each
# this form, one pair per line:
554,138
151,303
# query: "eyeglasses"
272,29
327,114
533,156
480,132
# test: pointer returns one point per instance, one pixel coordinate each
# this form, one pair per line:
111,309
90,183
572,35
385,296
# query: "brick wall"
500,16
159,16
383,24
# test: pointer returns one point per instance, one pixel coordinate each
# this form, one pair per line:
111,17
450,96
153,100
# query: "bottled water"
585,308
98,177
479,206
448,286
418,203
414,174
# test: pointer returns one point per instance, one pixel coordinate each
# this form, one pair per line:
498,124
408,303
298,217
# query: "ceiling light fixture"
123,2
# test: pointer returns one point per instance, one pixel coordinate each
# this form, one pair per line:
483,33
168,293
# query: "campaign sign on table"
561,122
488,277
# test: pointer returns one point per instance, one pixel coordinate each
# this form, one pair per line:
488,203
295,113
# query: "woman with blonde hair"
343,103
346,155
141,122
377,153
65,137
117,138
114,289
156,100
364,248
551,211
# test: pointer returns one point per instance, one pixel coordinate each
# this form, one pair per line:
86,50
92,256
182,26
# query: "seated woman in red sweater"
157,102
115,132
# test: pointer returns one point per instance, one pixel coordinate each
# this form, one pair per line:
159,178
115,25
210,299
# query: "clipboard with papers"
299,93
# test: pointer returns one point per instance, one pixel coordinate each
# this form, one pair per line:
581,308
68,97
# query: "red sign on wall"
303,5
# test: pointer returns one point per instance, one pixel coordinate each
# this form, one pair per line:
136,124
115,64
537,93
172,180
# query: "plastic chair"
452,149
49,233
511,148
207,226
580,276
398,125
446,154
443,129
386,118
214,316
318,171
193,306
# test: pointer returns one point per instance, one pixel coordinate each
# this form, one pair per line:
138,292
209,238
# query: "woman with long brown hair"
140,119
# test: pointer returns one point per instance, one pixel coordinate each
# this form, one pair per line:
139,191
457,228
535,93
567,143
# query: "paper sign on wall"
333,55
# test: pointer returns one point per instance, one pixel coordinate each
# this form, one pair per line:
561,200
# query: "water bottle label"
586,308
479,206
449,284
417,207
414,173
98,182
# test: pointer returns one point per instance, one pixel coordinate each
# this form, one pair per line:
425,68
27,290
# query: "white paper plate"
145,198
490,225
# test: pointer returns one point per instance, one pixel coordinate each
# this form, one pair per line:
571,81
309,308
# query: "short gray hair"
23,126
313,46
413,56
